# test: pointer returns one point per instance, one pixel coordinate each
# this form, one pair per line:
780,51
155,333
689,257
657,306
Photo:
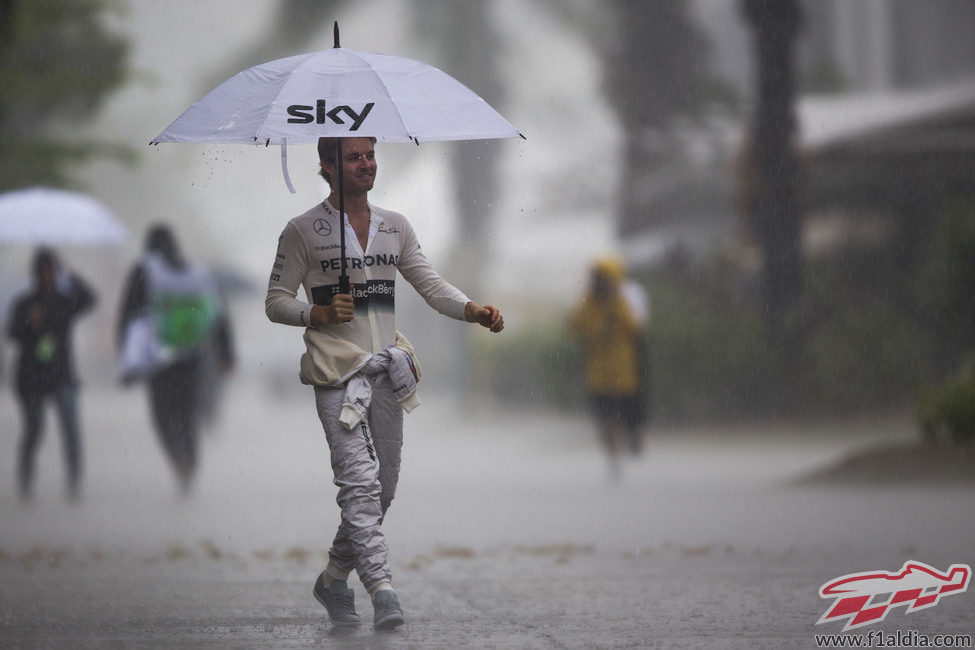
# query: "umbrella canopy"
338,93
41,215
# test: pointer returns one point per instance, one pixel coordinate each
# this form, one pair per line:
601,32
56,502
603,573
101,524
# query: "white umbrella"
338,93
41,215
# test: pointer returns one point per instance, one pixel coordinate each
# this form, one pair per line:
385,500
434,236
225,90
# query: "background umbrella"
338,93
41,215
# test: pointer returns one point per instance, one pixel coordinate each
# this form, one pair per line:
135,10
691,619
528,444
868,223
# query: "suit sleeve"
437,292
290,265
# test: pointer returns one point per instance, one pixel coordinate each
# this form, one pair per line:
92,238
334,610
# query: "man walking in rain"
40,324
363,370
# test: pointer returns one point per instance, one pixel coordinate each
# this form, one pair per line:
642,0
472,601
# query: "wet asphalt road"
506,533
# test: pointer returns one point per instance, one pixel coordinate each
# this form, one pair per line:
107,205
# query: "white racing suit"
366,459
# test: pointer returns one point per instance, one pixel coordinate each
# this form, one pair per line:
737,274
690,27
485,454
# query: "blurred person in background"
363,370
171,317
608,325
40,325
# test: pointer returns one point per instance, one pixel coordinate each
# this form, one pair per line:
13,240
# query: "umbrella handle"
344,277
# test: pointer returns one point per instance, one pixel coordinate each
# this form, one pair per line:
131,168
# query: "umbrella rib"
382,82
284,82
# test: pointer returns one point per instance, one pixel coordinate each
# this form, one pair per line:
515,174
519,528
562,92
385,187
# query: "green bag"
183,321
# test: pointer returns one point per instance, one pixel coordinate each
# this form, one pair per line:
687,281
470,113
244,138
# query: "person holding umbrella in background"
363,371
40,325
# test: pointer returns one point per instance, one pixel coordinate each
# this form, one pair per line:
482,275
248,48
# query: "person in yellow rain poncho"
609,330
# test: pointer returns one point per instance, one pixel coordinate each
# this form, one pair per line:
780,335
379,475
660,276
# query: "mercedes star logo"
322,227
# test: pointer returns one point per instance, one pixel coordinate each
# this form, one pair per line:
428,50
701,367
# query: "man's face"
359,165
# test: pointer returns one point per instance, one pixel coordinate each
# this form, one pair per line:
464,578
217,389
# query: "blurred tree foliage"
946,412
467,42
774,212
946,285
654,71
58,62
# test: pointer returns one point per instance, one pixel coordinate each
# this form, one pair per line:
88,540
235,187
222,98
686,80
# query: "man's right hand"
341,309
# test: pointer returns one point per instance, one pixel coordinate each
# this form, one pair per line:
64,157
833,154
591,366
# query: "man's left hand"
488,316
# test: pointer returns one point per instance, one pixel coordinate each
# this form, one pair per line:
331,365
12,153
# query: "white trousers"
365,466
